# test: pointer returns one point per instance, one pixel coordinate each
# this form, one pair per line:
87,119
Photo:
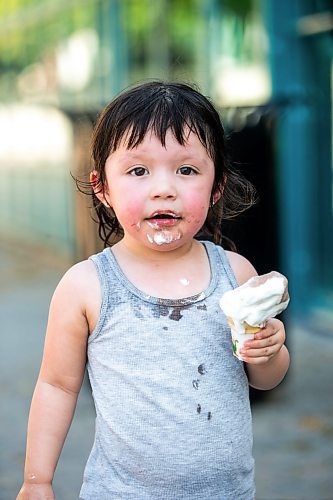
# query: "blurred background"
267,65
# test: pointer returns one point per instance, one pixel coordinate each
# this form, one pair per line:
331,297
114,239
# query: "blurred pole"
296,90
210,26
114,51
158,49
320,46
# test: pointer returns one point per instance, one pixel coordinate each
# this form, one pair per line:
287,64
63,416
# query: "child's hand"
36,492
266,344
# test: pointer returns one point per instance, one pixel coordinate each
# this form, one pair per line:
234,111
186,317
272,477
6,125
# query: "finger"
261,343
272,325
267,331
256,361
256,357
275,331
265,352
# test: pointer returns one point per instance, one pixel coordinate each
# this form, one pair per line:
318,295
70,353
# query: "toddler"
173,417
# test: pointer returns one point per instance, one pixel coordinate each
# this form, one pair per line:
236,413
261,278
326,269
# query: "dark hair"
160,107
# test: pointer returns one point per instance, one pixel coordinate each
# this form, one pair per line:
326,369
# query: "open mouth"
164,216
163,219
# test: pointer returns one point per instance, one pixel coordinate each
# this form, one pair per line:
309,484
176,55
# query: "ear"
100,190
216,195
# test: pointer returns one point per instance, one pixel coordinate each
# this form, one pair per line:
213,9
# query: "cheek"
198,205
128,209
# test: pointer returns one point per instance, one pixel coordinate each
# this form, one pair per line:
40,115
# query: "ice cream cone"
238,338
251,304
248,328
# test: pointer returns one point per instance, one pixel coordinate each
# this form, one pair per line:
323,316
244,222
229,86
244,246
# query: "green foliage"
31,28
158,37
146,19
240,8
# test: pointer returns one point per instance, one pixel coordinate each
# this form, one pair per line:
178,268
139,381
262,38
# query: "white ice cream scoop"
248,306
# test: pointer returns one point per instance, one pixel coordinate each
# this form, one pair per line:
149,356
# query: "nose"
163,186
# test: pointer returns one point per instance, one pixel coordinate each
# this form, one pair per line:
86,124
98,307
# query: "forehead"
152,149
189,141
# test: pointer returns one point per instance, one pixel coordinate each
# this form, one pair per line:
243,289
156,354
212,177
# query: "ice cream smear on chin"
248,306
163,237
164,230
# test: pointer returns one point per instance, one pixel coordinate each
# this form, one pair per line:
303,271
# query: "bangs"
159,108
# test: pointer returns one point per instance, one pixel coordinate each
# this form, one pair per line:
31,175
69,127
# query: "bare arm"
58,384
266,356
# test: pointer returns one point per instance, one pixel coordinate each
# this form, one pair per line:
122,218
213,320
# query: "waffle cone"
248,328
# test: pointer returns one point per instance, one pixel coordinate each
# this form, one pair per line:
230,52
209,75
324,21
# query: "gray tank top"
173,418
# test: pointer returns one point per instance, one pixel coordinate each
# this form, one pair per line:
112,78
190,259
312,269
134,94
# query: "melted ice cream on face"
163,237
260,298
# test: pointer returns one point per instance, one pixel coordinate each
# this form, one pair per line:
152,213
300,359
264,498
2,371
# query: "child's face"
160,195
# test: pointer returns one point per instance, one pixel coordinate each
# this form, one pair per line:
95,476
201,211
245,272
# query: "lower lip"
158,223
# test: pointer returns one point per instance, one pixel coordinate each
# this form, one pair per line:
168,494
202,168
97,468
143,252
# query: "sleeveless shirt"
173,418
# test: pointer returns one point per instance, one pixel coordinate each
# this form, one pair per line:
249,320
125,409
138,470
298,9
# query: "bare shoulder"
82,271
242,267
79,289
79,278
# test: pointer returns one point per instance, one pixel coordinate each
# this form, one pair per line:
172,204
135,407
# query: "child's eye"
187,170
138,171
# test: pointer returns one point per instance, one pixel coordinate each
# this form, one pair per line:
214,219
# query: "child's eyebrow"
128,154
188,157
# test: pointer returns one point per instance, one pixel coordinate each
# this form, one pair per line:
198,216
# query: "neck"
126,247
171,274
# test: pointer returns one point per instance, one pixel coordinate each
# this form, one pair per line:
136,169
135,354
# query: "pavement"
293,424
